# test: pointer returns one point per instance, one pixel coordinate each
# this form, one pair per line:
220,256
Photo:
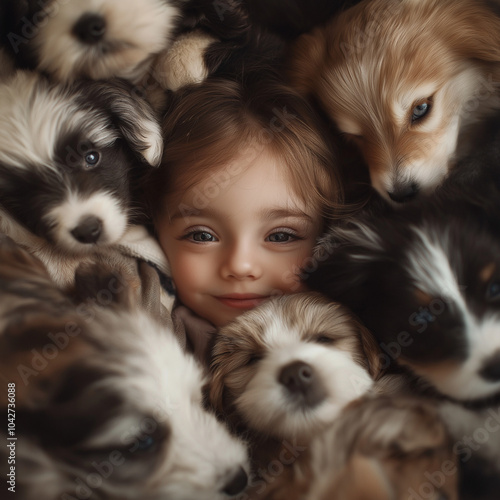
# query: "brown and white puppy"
281,373
106,404
384,448
405,80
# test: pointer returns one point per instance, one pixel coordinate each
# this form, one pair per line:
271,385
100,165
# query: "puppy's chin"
273,407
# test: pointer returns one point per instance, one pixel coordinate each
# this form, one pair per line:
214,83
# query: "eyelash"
191,232
289,232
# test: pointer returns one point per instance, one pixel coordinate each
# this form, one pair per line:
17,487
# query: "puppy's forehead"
36,115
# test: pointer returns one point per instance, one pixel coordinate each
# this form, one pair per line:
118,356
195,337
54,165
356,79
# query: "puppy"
384,448
67,157
405,80
106,403
282,372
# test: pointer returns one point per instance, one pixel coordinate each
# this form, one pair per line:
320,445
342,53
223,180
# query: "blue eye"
146,444
493,291
420,110
92,158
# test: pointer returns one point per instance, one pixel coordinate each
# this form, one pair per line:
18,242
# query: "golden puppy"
406,80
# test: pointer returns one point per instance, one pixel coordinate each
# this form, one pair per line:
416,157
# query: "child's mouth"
242,301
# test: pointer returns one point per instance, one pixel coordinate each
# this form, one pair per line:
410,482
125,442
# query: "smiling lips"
242,300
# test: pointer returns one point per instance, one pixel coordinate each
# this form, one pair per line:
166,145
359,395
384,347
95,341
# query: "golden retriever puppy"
406,80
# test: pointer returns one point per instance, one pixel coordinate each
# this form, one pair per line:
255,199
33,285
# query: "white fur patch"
135,31
66,217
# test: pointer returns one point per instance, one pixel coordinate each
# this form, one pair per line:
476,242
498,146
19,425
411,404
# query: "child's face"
238,237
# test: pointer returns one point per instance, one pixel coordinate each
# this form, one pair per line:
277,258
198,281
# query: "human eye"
283,235
199,235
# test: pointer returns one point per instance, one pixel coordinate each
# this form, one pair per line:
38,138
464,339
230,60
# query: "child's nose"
242,262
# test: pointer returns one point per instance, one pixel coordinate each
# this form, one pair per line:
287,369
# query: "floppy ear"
130,113
476,31
372,352
306,58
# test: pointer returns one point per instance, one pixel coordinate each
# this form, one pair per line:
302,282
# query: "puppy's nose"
90,28
237,483
88,231
301,381
491,369
403,192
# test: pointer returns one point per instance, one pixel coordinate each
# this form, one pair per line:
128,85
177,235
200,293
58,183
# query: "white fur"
66,217
183,62
136,30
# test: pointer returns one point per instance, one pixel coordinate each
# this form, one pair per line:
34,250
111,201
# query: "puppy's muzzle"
403,192
302,383
90,28
89,230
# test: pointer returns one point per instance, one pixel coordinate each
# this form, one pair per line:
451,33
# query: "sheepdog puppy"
405,80
107,405
95,39
281,373
67,155
381,448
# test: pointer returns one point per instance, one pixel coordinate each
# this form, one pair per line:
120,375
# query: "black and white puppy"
107,405
67,154
426,281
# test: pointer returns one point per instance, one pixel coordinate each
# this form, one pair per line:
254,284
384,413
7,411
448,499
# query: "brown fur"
374,63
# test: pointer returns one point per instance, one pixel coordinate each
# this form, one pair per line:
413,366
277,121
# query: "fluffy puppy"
384,448
288,367
95,39
405,80
106,403
67,155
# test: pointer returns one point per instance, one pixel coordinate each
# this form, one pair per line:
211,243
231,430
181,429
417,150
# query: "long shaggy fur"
67,157
107,404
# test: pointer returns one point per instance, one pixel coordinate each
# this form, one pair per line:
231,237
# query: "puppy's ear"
130,113
307,56
372,352
475,32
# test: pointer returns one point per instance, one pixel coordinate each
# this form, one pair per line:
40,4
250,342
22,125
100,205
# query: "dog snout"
237,483
403,192
88,231
90,28
491,369
300,380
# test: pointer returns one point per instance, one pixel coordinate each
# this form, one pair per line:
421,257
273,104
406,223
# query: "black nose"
403,192
88,230
301,382
491,369
237,483
90,28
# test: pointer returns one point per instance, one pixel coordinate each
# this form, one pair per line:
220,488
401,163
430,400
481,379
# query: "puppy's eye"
146,444
92,158
493,291
254,359
420,110
323,339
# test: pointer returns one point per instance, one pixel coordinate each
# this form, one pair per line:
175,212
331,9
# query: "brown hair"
207,125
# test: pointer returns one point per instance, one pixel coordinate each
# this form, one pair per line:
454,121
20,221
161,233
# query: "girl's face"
238,237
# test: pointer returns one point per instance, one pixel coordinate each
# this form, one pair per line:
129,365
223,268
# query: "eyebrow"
267,213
